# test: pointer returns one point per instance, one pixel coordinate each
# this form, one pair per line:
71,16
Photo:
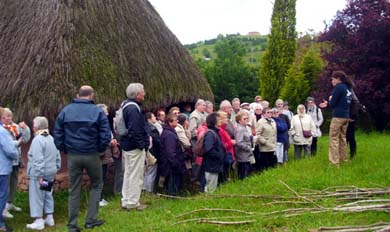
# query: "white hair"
278,101
7,111
224,104
255,106
41,123
299,106
133,89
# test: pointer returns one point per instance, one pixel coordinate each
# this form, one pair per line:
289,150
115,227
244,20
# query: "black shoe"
94,224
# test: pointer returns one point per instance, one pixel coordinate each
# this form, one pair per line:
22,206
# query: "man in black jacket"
81,132
134,145
340,103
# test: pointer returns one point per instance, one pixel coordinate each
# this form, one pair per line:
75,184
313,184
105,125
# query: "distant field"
370,169
254,46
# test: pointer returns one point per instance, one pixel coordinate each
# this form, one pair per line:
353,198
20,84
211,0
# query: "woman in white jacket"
302,131
316,114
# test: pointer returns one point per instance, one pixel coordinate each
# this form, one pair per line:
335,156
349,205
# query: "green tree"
206,53
295,88
280,51
228,75
312,66
302,75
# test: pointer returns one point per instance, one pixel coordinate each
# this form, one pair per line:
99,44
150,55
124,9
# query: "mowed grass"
369,169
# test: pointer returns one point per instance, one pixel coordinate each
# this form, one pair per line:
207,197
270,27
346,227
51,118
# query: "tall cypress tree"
280,51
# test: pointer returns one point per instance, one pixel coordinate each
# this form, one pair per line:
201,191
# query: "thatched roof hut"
48,49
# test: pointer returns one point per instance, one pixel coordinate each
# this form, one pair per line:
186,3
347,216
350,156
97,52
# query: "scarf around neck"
44,132
12,129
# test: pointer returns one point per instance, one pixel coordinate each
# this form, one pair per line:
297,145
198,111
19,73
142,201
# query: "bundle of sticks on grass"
315,202
48,49
377,227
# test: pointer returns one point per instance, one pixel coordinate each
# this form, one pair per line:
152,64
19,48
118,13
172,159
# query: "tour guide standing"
81,132
340,102
134,145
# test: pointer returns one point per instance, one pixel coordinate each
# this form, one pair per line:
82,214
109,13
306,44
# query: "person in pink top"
228,145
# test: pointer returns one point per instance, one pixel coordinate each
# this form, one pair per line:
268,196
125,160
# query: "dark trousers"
351,138
13,183
298,151
76,166
268,159
313,147
258,166
173,184
118,176
3,196
104,177
227,167
244,169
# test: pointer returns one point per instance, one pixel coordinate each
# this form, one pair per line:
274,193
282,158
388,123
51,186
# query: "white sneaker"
103,203
38,224
49,222
7,214
11,206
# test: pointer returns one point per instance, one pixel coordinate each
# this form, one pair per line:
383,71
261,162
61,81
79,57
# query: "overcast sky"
195,20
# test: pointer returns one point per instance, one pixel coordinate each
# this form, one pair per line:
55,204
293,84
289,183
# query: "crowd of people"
159,151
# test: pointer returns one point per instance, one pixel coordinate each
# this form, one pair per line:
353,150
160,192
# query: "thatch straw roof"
48,49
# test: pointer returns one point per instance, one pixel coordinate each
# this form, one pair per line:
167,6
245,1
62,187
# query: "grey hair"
236,99
133,89
199,102
224,103
41,123
208,103
265,104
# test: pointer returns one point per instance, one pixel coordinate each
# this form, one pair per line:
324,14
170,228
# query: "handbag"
306,133
46,185
150,159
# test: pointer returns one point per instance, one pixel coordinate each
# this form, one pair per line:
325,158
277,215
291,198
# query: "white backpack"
120,124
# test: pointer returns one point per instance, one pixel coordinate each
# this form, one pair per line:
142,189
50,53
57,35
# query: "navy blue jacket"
82,128
171,156
137,128
213,152
282,130
153,132
341,100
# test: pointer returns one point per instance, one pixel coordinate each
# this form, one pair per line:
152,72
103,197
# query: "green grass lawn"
370,169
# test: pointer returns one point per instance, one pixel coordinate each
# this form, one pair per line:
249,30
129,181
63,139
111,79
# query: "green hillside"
255,45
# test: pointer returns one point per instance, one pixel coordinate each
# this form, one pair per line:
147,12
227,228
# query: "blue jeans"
3,196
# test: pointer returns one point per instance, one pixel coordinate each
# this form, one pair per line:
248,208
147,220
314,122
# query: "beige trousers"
337,140
133,178
211,182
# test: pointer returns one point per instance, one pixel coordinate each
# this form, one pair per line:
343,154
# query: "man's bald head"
85,91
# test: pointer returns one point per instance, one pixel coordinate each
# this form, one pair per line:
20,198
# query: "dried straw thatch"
49,48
